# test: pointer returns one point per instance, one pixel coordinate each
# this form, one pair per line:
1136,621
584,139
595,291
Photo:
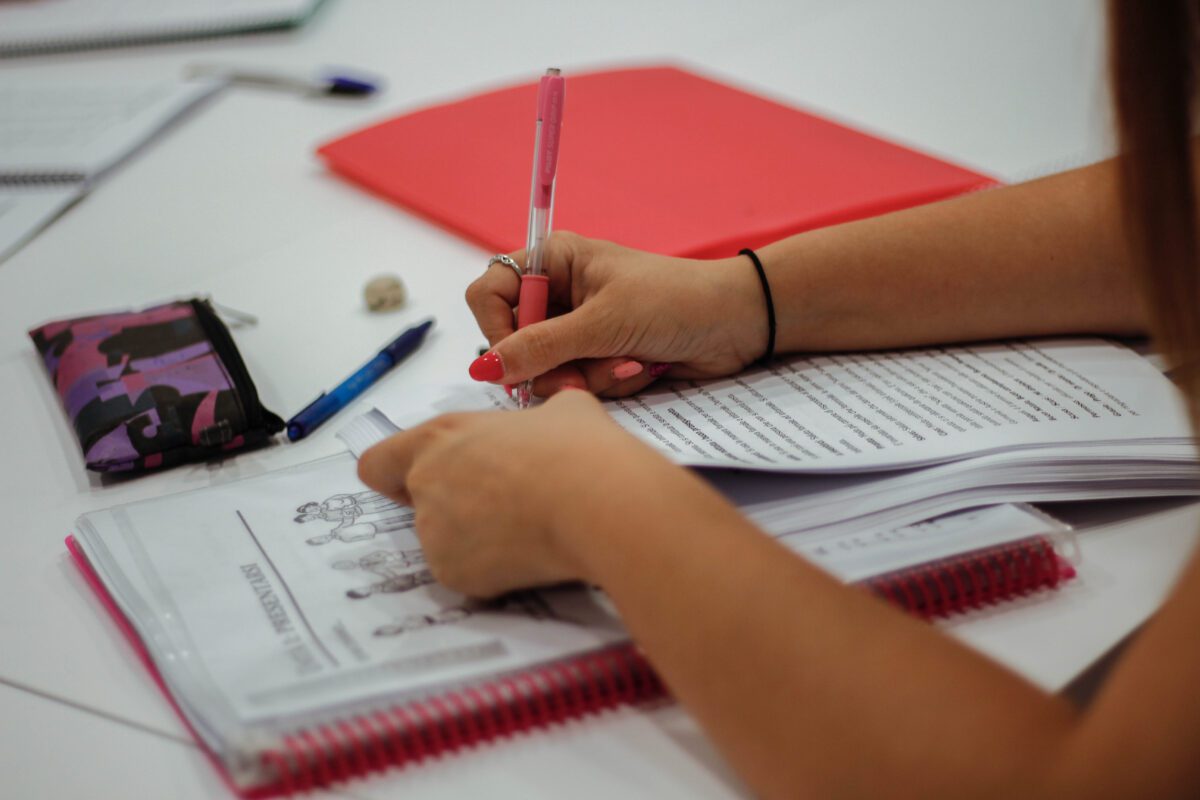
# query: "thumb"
537,349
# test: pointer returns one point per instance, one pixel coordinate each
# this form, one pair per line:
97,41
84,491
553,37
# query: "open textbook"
885,410
893,437
293,621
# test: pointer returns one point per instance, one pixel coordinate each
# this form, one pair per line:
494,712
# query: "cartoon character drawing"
531,604
394,570
416,622
359,516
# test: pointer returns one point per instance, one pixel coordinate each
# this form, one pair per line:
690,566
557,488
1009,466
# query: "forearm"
1045,257
797,678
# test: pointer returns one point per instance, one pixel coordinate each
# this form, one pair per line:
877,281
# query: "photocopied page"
302,593
855,556
786,503
861,412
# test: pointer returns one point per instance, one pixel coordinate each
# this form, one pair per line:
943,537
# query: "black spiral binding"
40,180
163,34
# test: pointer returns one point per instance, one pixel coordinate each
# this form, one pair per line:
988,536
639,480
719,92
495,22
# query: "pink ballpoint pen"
535,285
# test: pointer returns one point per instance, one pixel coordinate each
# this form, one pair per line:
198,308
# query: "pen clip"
550,114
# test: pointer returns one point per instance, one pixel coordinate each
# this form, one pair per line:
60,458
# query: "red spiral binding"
487,724
974,580
357,756
350,748
587,684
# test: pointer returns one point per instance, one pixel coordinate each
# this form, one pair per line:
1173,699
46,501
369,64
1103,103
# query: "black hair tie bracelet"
766,287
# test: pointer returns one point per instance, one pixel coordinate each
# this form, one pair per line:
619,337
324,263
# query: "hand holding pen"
619,319
692,318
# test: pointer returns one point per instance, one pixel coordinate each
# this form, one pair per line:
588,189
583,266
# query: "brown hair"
1154,64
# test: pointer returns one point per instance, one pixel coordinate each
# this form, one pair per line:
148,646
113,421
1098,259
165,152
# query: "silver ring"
506,261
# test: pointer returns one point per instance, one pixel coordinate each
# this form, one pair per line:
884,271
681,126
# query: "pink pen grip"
532,303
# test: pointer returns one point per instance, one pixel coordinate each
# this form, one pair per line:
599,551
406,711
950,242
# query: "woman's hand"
619,318
498,495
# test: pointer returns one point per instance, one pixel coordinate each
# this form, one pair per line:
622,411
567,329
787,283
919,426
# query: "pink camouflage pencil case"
150,389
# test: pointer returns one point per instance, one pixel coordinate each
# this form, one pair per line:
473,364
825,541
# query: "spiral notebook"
33,27
57,139
292,621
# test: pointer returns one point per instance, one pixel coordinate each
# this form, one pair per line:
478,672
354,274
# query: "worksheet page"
883,410
303,590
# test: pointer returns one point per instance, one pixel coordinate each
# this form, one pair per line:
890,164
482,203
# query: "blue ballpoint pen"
346,392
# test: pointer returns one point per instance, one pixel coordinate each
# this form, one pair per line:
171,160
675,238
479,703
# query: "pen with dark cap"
346,392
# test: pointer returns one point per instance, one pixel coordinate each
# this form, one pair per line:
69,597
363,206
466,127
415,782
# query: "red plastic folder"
657,158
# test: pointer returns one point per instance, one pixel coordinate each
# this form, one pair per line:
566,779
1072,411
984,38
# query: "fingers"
572,397
491,298
565,252
623,377
537,349
568,376
493,295
386,466
603,377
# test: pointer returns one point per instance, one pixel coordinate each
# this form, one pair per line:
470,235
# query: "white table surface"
233,203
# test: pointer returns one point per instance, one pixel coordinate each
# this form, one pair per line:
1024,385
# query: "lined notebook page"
54,132
25,211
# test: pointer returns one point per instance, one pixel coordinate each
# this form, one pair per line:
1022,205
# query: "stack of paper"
894,437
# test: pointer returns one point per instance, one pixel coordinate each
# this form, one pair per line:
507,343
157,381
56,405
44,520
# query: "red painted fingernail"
658,369
626,369
488,367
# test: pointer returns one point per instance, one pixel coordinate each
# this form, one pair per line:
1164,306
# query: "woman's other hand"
497,495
